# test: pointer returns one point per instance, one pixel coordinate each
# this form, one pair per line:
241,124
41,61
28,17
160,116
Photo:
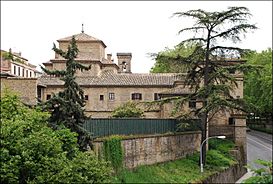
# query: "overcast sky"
138,27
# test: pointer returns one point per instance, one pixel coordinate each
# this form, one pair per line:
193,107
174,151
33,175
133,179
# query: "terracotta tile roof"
178,90
111,79
80,37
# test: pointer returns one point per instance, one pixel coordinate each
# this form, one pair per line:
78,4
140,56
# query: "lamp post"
201,161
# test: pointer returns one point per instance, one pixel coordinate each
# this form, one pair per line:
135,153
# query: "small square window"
48,97
231,121
156,96
232,71
192,103
111,96
85,97
101,97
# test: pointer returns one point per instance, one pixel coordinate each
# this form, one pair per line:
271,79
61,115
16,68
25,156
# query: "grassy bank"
184,170
261,129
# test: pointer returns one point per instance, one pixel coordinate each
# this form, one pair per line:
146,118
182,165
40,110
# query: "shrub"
262,175
128,109
34,153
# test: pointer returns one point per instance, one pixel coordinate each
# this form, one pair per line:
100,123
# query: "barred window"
111,96
136,96
85,97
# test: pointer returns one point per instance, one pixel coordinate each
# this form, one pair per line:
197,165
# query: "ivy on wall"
113,152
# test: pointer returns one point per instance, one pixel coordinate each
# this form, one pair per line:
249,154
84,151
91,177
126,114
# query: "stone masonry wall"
156,148
26,88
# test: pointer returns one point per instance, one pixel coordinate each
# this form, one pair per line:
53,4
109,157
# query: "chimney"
109,58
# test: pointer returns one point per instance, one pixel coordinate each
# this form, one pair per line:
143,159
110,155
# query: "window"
232,71
19,71
85,97
136,96
30,74
156,96
14,70
111,96
48,97
124,66
101,97
192,103
26,73
23,72
39,94
231,121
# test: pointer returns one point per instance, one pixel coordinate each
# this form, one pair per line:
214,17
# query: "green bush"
261,175
128,109
31,152
221,145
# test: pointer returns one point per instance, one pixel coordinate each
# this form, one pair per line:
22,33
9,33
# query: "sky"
139,27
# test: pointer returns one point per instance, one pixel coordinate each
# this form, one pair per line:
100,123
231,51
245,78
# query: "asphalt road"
259,146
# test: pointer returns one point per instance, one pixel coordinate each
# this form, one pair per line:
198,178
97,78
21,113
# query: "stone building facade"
107,85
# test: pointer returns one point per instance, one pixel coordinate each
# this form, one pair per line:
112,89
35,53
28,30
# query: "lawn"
181,171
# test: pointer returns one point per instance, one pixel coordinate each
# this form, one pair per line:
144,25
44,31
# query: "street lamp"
201,162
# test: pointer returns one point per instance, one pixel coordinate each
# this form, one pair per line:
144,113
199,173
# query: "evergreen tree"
209,75
66,107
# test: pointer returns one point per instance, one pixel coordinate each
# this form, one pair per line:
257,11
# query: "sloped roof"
121,79
80,37
178,90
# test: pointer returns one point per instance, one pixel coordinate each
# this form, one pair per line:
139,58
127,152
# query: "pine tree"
209,74
66,107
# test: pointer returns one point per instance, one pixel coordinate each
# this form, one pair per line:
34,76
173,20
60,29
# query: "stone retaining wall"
231,174
153,149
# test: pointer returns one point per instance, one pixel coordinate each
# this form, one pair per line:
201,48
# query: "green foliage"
258,86
67,106
113,152
7,55
262,175
31,152
261,129
208,66
223,146
186,170
129,109
163,65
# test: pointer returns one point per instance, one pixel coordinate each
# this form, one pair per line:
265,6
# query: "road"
259,146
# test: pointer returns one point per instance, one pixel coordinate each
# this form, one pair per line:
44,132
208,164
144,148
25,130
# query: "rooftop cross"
82,29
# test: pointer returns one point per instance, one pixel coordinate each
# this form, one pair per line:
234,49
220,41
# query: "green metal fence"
99,127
